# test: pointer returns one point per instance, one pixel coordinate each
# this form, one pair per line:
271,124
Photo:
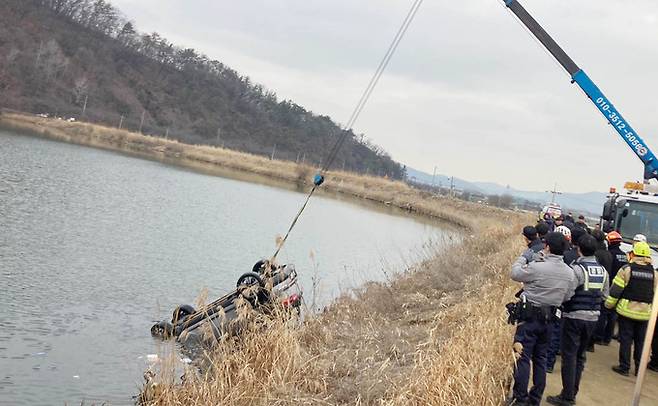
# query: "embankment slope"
432,334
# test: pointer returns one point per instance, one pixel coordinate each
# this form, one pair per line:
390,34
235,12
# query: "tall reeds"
434,335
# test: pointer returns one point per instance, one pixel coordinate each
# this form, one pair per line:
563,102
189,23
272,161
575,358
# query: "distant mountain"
441,180
589,202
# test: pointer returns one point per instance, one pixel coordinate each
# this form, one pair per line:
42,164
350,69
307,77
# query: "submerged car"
263,286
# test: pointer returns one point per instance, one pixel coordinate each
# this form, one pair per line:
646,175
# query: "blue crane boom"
597,97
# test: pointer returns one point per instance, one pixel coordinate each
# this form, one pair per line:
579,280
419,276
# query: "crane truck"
634,210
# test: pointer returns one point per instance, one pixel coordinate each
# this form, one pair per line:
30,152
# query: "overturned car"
267,284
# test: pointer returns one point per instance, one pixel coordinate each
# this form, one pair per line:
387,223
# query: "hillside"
83,59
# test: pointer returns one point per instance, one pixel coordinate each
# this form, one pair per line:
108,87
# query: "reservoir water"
95,246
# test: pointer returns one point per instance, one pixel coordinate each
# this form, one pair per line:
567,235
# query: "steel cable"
355,115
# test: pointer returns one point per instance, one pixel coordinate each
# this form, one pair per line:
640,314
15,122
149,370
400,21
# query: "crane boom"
597,97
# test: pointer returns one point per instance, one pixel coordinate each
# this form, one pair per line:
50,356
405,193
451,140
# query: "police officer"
608,317
532,239
631,295
569,221
580,316
542,230
547,283
581,224
570,255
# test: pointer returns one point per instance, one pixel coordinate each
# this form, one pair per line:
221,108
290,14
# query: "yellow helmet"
641,249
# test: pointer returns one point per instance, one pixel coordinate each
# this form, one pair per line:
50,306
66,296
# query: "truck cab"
633,211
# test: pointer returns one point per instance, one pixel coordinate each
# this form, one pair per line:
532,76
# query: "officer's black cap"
530,232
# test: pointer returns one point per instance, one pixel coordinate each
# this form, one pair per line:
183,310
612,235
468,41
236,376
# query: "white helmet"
564,230
640,238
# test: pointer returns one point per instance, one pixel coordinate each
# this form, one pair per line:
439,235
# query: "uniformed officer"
532,239
547,283
608,318
579,318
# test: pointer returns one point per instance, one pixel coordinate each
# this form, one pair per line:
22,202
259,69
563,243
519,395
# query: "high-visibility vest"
589,295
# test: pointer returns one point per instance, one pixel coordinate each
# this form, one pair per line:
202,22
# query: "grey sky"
468,91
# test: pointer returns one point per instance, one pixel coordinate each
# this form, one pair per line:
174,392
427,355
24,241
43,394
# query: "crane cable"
354,116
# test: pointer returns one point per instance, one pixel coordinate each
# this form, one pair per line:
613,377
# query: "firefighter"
547,283
631,295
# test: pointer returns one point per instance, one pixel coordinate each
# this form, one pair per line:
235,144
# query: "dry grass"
473,365
435,334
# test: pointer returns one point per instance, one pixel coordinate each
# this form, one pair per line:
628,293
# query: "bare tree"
51,60
80,89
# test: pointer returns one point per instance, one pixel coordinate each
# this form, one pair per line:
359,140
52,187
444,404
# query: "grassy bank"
371,188
434,334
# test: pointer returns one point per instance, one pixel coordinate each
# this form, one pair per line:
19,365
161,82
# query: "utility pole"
121,122
219,131
273,151
452,186
433,176
84,107
554,192
141,123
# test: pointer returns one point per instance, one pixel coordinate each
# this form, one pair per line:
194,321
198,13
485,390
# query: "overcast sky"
469,90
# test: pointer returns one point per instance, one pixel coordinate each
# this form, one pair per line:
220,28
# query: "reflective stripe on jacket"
589,294
629,308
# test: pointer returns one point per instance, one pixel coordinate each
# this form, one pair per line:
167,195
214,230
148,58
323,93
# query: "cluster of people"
578,285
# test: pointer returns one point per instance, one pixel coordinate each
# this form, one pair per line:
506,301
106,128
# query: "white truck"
635,210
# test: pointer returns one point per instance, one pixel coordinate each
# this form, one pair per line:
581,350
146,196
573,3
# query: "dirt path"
601,386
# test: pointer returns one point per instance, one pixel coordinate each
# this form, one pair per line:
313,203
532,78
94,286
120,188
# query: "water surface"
95,246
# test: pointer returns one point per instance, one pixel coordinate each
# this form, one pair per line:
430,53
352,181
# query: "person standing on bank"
542,230
571,253
532,239
631,295
608,319
581,224
547,283
579,318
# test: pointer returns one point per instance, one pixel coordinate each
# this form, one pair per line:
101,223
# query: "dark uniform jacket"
619,259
